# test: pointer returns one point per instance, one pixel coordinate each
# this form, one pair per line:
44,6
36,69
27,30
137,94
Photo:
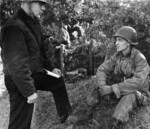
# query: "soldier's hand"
105,90
32,98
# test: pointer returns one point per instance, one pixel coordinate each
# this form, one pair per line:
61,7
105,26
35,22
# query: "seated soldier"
131,66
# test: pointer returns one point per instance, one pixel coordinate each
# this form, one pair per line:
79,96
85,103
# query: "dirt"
45,116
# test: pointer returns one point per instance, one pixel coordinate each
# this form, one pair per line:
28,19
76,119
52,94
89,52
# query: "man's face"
121,44
37,8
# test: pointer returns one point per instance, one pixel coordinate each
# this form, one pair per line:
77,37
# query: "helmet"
43,1
128,33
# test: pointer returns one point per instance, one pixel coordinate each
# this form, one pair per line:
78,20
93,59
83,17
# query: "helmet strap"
127,51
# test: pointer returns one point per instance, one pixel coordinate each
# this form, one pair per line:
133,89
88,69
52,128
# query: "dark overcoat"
22,51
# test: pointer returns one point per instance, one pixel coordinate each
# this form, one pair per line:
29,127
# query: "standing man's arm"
17,60
48,54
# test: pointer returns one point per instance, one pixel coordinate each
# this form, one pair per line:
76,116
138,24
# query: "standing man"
24,62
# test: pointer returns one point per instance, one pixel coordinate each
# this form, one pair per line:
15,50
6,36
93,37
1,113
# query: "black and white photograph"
74,64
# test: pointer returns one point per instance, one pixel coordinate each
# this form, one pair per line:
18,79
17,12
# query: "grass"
45,116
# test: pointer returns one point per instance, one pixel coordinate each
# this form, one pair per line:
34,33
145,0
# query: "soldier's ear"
128,43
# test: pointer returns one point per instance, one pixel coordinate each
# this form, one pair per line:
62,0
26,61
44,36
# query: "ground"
45,116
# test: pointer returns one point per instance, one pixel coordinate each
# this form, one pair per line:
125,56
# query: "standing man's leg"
20,111
57,87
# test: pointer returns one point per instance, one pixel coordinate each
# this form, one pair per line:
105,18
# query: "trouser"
126,104
21,112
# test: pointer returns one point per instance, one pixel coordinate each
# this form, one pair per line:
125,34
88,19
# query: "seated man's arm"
138,82
104,70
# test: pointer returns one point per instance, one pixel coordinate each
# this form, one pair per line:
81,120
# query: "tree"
7,9
99,18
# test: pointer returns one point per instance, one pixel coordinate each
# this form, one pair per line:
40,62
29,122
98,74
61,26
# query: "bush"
100,20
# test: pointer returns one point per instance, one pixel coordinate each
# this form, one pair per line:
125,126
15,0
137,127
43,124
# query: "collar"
130,54
25,17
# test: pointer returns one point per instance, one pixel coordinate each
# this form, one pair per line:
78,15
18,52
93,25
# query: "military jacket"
133,69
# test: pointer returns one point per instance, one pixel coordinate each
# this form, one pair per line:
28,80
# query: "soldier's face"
37,8
121,44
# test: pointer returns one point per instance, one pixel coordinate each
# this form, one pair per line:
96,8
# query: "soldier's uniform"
133,71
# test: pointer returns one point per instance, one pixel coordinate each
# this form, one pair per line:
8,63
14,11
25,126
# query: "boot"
69,117
64,118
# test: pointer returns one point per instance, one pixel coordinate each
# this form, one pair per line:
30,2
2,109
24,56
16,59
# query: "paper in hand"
52,74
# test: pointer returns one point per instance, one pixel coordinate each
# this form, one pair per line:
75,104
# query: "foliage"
7,8
77,59
104,18
100,20
108,16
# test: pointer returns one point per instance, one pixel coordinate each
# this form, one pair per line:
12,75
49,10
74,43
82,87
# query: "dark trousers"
21,112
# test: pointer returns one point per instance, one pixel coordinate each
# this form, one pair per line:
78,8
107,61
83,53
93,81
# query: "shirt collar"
25,17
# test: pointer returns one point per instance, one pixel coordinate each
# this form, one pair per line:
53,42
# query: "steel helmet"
128,33
43,1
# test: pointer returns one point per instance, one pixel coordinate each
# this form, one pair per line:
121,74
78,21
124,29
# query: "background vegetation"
98,21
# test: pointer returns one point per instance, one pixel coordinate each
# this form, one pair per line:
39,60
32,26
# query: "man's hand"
105,90
32,98
56,71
